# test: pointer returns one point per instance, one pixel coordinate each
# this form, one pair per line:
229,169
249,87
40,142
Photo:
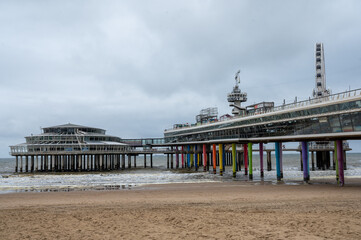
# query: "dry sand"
234,210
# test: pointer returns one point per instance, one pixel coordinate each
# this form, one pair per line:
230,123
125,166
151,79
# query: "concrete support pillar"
80,158
305,160
301,160
224,157
171,158
214,158
220,150
61,162
313,160
108,161
123,161
16,163
129,161
340,156
344,160
32,163
182,155
26,163
278,146
87,162
269,161
205,160
151,160
250,161
135,161
101,162
167,160
176,157
188,157
261,159
21,163
37,163
192,156
145,160
234,152
336,162
41,163
245,158
196,157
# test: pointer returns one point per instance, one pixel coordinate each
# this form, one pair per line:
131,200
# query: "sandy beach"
232,210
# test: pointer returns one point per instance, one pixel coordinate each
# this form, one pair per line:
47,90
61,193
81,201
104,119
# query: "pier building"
69,147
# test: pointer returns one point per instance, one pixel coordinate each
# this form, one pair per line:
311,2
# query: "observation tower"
236,97
320,86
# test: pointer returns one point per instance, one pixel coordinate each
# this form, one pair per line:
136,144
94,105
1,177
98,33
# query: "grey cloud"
136,67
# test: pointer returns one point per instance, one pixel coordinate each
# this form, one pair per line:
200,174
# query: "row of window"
331,124
70,139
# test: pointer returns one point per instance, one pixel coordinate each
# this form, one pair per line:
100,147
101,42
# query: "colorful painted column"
220,149
205,160
223,157
261,159
281,159
245,159
250,161
196,158
214,158
340,162
189,157
176,157
305,162
278,162
234,167
192,156
336,162
182,155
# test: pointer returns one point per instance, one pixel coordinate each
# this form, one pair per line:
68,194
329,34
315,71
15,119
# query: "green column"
250,161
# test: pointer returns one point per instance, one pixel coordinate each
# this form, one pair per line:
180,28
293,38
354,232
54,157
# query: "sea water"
159,174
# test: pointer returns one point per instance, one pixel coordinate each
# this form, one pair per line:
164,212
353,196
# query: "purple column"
306,174
176,157
261,158
340,161
281,160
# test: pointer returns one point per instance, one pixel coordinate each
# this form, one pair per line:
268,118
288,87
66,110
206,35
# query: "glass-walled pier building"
69,147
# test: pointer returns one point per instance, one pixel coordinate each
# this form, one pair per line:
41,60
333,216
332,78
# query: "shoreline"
350,180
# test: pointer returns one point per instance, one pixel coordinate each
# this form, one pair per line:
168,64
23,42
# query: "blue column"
305,161
278,161
189,157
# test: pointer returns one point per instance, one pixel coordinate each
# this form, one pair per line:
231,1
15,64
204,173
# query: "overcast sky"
136,67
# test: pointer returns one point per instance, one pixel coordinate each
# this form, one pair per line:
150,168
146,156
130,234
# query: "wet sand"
232,210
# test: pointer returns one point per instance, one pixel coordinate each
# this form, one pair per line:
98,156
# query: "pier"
321,125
